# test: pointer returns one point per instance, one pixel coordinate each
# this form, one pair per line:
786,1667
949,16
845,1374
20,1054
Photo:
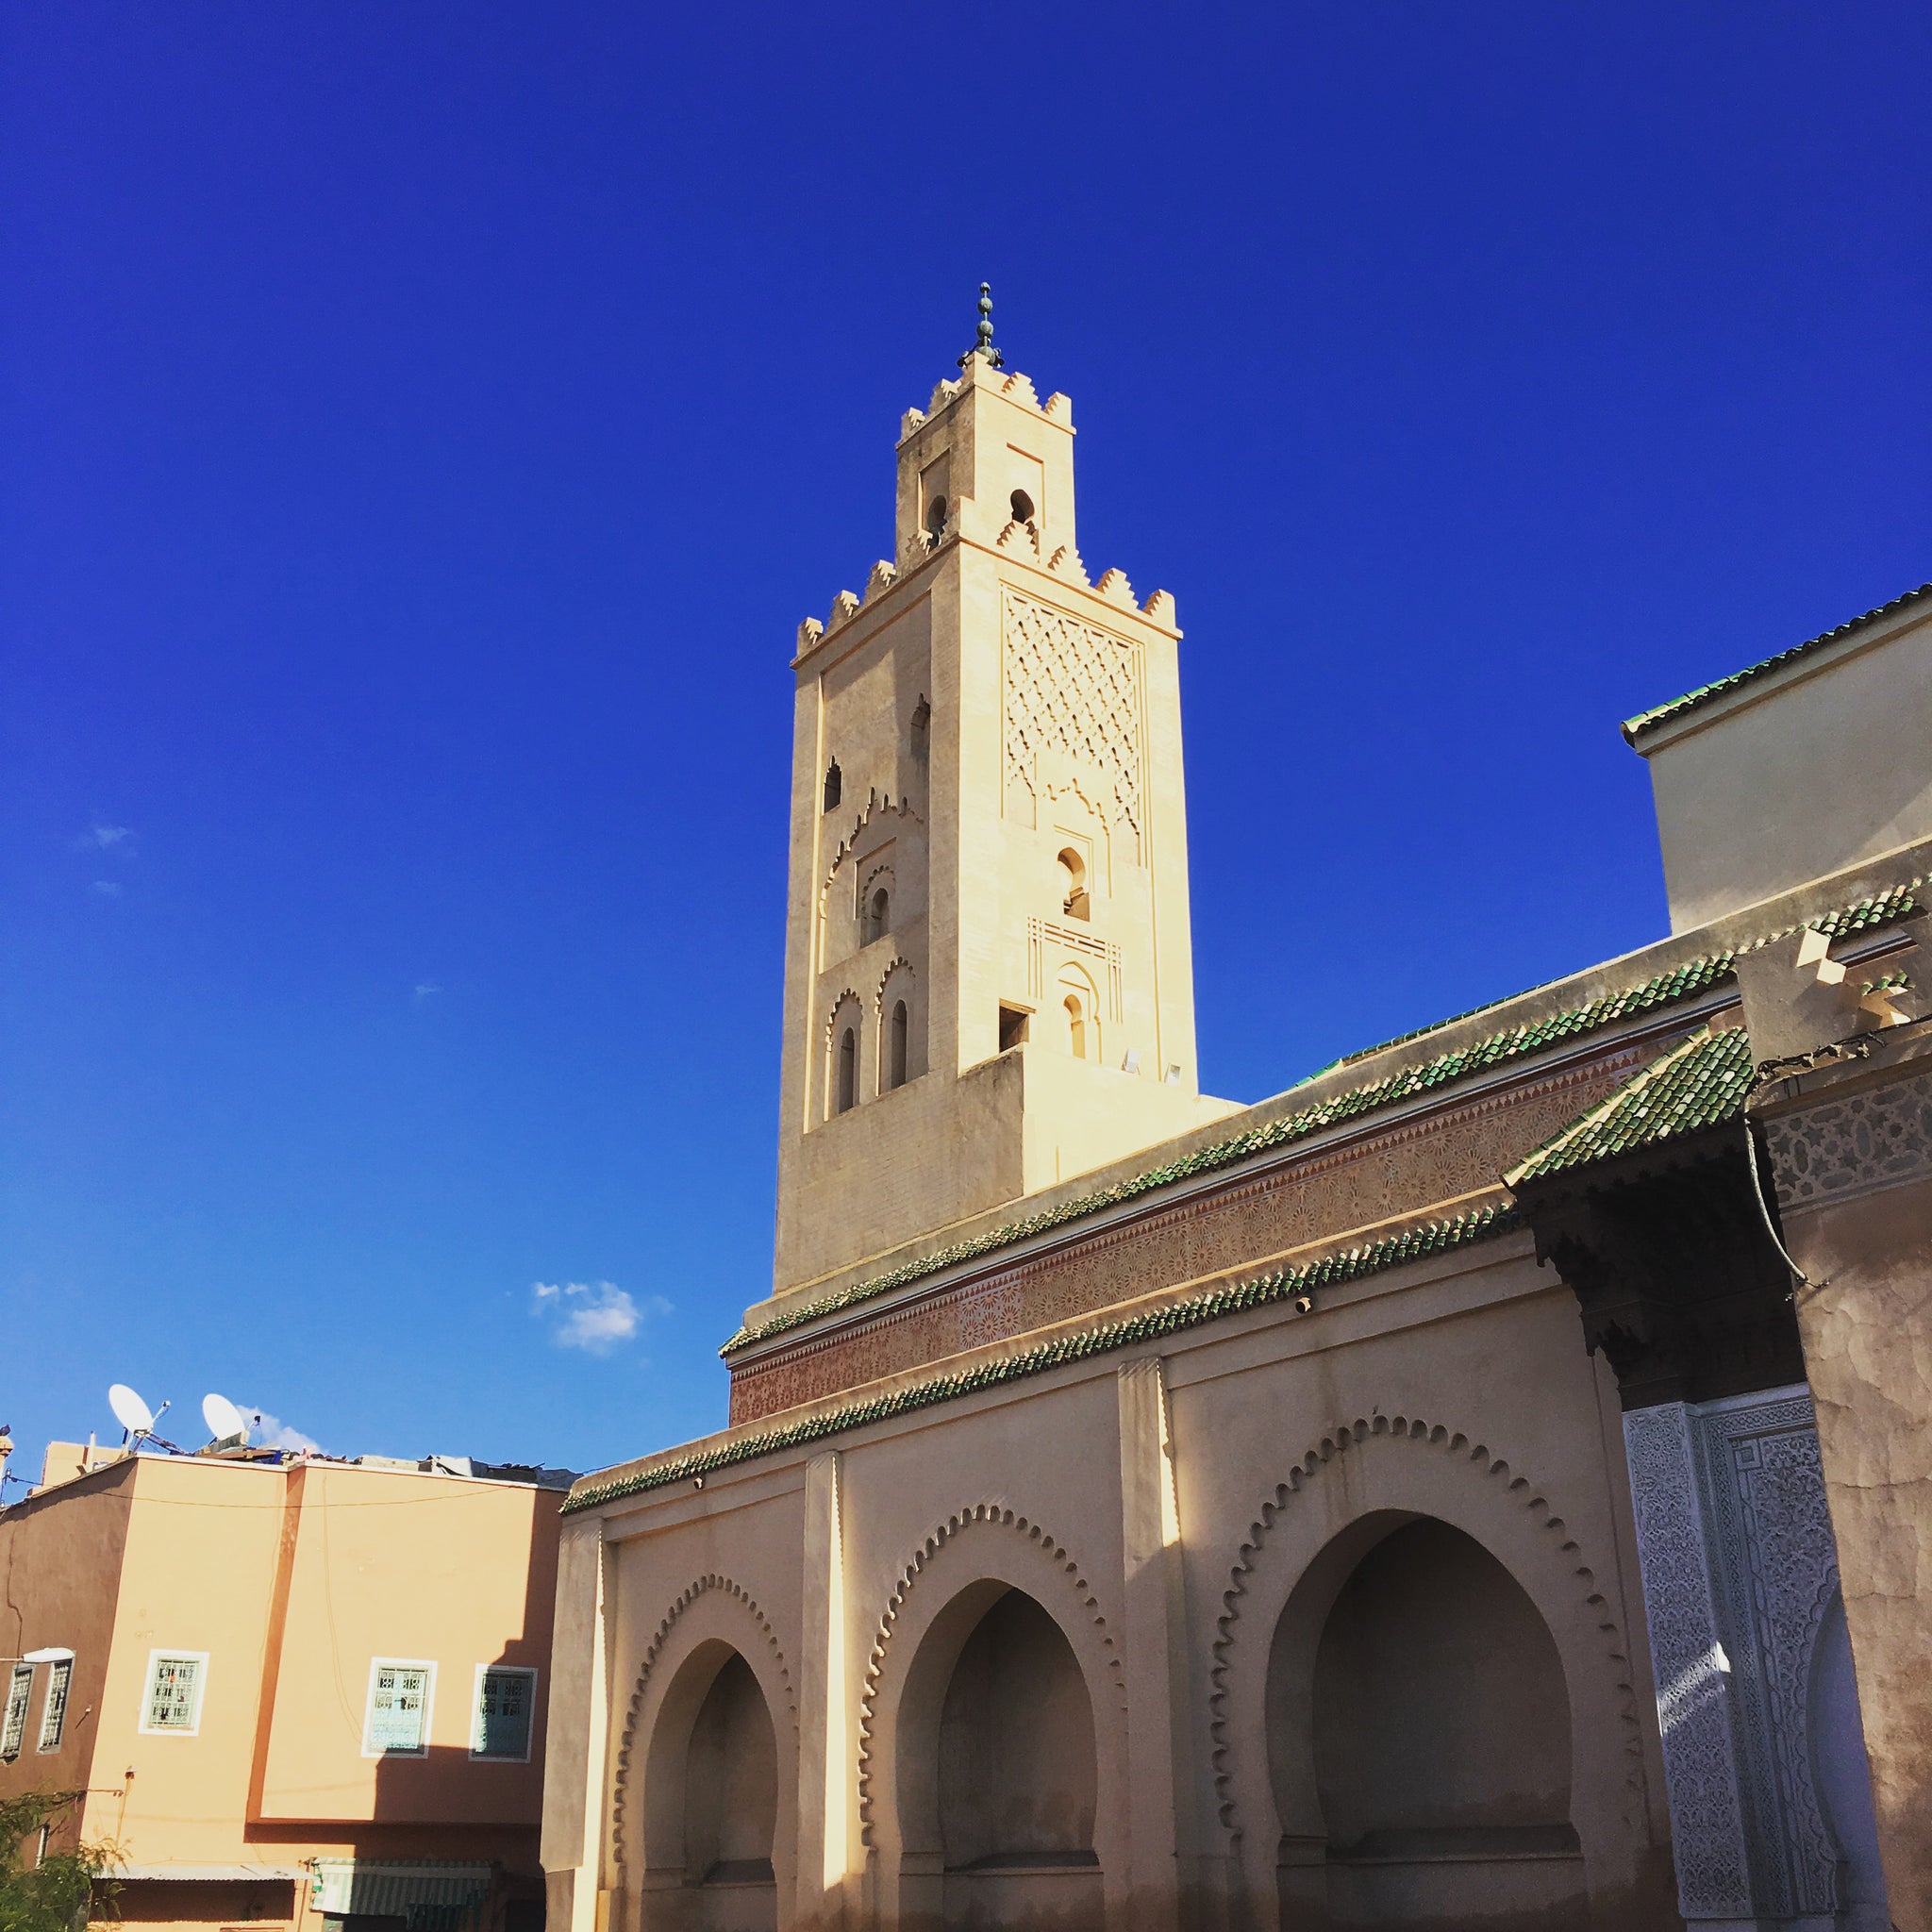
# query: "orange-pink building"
293,1692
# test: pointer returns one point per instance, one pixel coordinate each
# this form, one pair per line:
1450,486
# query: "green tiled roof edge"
1634,727
1700,1084
1683,982
1283,1285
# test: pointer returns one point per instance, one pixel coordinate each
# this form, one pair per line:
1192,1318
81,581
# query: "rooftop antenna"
227,1427
982,345
136,1418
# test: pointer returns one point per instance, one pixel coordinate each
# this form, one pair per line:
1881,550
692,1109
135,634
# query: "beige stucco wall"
1798,774
1164,1512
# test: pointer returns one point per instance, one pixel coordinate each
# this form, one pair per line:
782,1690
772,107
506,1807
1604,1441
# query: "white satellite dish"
223,1419
130,1412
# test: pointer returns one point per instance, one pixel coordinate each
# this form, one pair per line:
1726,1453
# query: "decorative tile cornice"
1290,1285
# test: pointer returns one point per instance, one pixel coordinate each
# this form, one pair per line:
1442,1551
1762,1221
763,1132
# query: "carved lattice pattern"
1072,693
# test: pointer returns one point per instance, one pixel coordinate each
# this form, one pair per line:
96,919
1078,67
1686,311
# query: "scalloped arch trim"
1562,1546
989,1514
700,1587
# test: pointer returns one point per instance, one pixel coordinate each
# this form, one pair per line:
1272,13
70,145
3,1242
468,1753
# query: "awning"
432,1893
204,1875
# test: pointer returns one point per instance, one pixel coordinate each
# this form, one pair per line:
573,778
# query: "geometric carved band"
1868,1140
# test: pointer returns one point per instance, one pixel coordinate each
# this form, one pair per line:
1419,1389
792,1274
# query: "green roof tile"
1285,1284
1645,721
1701,1084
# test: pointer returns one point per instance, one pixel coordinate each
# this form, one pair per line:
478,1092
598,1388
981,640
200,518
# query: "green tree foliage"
59,1891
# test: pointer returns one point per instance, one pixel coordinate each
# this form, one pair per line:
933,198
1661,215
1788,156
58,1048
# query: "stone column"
1739,1575
576,1747
1850,1140
827,1772
1161,1778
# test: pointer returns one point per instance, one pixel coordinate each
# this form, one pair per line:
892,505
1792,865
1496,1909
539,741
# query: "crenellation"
1159,608
1065,563
1020,389
1059,409
910,420
809,631
844,607
946,392
1115,588
881,579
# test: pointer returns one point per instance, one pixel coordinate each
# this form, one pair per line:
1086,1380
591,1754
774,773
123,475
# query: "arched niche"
709,1814
1419,1739
1347,1497
996,1792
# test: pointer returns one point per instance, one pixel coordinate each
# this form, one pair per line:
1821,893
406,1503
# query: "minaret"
988,977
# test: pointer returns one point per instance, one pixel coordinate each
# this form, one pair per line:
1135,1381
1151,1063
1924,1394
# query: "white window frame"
20,1697
483,1670
60,1677
426,1665
197,1657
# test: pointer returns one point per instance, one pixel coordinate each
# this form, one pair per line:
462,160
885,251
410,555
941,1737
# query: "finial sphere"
983,344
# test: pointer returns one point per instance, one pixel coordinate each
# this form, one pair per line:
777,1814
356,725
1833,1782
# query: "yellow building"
294,1693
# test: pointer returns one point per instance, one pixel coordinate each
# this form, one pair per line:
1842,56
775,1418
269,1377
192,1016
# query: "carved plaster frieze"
1838,1149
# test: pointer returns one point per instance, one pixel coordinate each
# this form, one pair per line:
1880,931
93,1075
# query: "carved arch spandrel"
1404,1465
761,1650
1017,1551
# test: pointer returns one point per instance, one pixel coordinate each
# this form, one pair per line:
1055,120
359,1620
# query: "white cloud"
273,1432
426,989
102,838
107,888
593,1316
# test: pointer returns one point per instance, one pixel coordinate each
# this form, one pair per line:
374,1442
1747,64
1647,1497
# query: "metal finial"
983,346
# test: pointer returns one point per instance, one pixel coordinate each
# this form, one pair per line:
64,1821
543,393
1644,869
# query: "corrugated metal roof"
1700,1084
1645,721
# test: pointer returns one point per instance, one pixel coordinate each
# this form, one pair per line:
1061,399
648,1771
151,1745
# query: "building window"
847,1095
400,1690
835,785
922,731
1076,1026
896,1046
1012,1026
1072,871
878,916
18,1692
935,519
506,1698
54,1712
175,1680
1023,507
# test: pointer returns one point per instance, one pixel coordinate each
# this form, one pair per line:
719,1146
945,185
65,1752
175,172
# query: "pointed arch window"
835,785
845,1074
895,1045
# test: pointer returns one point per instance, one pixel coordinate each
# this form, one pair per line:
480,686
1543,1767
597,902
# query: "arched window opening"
922,732
1018,1776
896,1046
1440,1722
1023,508
935,518
1077,1026
834,784
1071,872
847,1091
877,920
731,1784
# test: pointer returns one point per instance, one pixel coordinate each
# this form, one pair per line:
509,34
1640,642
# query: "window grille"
54,1712
173,1693
505,1696
18,1692
399,1706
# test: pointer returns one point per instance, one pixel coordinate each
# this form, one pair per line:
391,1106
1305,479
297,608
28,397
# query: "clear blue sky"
426,426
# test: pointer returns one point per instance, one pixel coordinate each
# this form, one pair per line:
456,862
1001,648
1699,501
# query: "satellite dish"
222,1418
130,1412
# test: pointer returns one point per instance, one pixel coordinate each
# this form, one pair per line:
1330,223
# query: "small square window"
506,1702
54,1711
400,1693
17,1693
175,1680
